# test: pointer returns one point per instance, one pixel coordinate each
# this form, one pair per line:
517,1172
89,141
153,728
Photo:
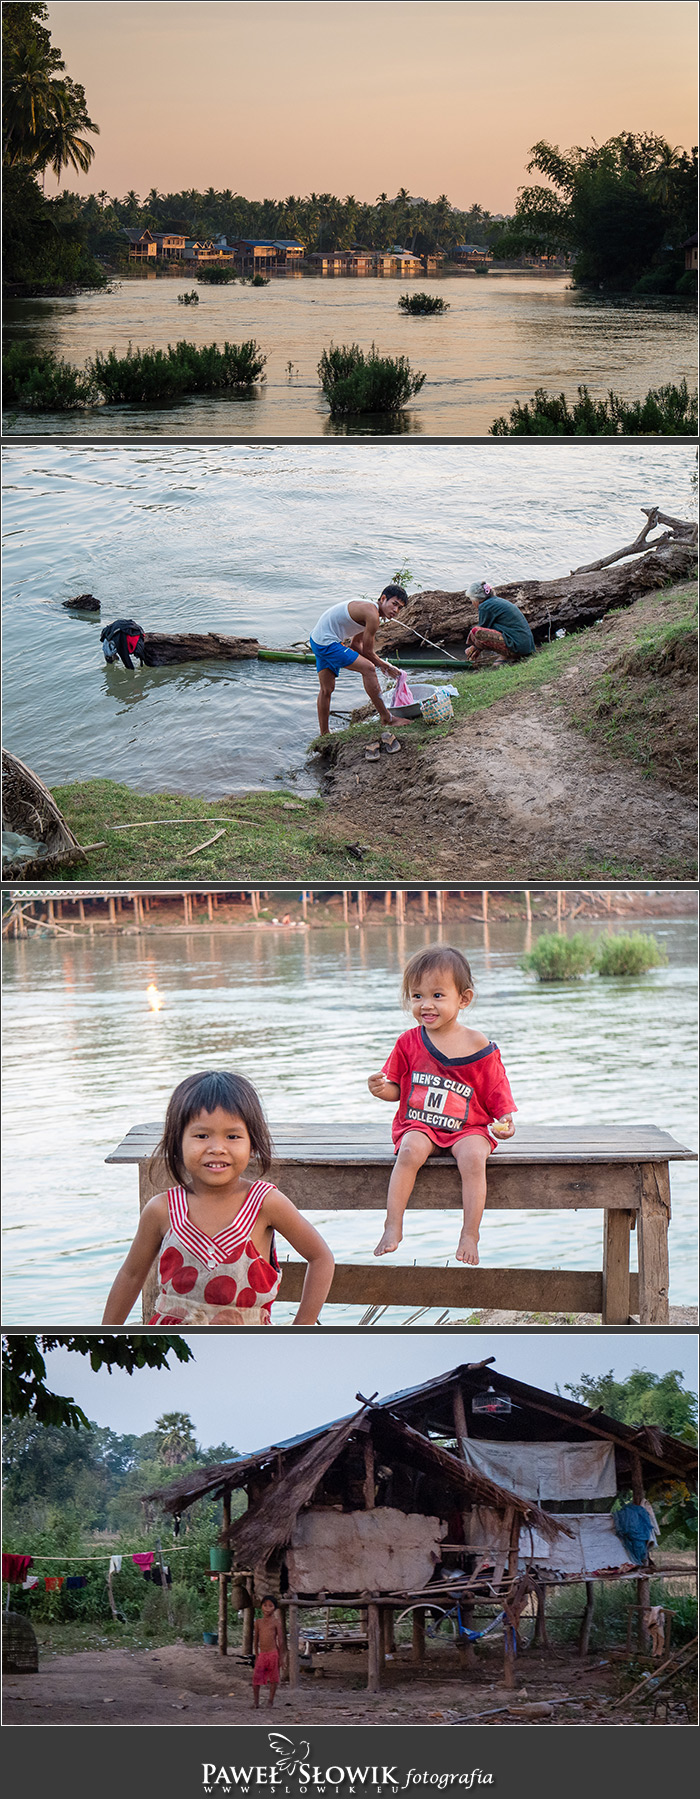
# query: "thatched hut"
472,1489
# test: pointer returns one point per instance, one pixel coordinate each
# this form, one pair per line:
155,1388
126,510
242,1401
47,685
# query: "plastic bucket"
211,1638
220,1560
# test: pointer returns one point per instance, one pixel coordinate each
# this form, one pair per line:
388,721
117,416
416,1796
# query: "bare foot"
468,1250
390,1240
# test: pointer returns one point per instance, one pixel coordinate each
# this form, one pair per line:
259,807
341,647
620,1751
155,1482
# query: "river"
302,1014
257,540
502,337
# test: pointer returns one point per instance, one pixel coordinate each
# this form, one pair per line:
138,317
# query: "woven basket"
437,709
20,1650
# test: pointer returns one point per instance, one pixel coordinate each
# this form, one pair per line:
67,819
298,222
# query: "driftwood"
569,601
83,602
29,809
164,647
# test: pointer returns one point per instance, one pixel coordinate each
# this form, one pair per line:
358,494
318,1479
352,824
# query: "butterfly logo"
289,1755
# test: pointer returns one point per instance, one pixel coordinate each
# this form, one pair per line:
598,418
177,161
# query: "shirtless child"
343,637
268,1645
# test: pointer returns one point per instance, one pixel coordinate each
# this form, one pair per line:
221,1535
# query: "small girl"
452,1090
214,1233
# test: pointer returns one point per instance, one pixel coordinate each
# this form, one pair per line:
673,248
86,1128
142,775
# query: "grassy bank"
644,706
267,836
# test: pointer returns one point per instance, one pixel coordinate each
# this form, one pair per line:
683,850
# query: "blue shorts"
333,655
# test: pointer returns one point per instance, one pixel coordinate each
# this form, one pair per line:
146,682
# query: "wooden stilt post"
374,1649
425,903
388,1629
304,904
541,1618
400,906
466,1649
587,1619
513,1522
485,904
223,1586
50,911
418,1634
369,1474
528,906
293,1646
255,903
112,910
248,1624
438,905
643,1584
81,911
559,909
135,904
387,900
210,908
345,905
361,905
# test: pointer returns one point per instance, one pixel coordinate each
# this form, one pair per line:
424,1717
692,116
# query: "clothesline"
172,1549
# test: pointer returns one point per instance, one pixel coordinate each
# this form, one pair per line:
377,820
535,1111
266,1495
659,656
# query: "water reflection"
303,1013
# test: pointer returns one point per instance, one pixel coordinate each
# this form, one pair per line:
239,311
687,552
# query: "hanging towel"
144,1559
115,1564
14,1568
32,1580
52,1581
76,1580
634,1529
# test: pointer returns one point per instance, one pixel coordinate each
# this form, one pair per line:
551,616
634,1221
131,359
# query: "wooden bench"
622,1170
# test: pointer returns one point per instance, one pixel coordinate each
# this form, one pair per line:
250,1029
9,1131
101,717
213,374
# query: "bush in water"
190,299
423,303
144,376
555,958
357,383
37,381
666,412
217,274
631,953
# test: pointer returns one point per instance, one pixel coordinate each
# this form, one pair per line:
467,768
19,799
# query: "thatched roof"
269,1524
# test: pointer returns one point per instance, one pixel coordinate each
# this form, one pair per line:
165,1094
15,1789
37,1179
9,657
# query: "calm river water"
86,1059
502,337
256,541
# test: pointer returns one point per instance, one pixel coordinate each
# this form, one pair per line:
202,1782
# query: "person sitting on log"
344,638
502,627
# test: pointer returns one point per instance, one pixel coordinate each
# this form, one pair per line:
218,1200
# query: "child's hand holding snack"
503,1127
381,1088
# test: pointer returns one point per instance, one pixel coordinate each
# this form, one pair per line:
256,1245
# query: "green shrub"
629,954
145,376
218,274
190,299
37,381
260,281
555,958
670,411
422,303
355,382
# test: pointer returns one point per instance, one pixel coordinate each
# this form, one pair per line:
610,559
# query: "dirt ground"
518,785
190,1684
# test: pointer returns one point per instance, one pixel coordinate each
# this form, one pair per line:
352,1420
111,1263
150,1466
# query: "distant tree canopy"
46,125
659,1400
24,1385
622,210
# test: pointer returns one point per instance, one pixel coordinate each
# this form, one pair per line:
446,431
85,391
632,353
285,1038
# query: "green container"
220,1561
210,1637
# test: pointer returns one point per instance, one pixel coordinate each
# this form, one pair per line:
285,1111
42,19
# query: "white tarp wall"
594,1546
382,1551
546,1470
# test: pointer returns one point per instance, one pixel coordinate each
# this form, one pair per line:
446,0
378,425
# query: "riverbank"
578,764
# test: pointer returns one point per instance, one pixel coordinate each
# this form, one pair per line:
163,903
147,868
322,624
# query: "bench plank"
365,1142
500,1289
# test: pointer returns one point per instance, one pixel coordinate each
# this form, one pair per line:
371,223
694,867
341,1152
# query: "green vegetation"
644,706
422,304
260,281
565,1607
614,207
555,958
189,299
666,412
143,376
629,954
45,122
26,1395
38,381
216,274
658,1400
270,836
355,382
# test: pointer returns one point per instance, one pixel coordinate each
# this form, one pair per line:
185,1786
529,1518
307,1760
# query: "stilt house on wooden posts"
472,1489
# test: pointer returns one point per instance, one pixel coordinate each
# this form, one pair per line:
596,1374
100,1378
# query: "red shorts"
266,1672
471,1130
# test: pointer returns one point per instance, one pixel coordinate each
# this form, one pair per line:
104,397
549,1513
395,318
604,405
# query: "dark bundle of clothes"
123,639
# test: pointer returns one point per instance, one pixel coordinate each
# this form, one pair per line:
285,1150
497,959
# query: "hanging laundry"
144,1559
77,1580
635,1530
159,1579
32,1580
14,1568
53,1581
115,1564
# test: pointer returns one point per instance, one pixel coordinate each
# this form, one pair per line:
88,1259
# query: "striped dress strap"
228,1241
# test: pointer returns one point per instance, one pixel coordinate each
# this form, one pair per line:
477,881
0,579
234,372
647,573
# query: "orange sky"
273,97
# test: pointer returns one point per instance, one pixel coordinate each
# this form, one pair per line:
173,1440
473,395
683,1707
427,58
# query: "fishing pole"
433,646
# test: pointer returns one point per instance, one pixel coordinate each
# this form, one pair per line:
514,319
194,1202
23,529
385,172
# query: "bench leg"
153,1178
654,1216
616,1267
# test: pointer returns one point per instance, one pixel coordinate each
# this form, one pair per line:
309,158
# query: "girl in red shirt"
452,1090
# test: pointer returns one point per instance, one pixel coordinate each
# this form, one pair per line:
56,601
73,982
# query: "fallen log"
568,602
165,647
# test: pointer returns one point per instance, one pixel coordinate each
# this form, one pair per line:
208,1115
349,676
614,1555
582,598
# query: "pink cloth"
402,693
14,1568
266,1672
144,1559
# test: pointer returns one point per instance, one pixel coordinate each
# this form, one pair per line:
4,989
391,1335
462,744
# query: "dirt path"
190,1684
518,790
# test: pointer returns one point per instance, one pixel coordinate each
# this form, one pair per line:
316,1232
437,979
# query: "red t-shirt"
443,1097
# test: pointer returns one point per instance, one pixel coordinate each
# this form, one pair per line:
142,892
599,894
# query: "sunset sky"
274,97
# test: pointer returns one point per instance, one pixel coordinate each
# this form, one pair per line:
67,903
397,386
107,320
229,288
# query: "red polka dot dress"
200,1276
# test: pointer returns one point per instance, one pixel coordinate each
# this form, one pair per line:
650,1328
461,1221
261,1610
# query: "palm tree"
60,144
176,1439
660,182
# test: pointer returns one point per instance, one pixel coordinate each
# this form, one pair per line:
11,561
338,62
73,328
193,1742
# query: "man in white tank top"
344,638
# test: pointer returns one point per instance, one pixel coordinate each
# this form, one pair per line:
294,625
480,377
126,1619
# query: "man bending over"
344,638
